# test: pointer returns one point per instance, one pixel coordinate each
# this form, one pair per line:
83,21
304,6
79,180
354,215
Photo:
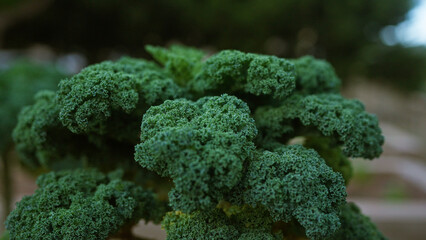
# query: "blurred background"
378,48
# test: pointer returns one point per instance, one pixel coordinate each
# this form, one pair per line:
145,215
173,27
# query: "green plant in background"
343,32
18,84
403,67
212,133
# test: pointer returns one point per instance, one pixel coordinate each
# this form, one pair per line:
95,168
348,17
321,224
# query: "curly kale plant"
81,204
203,144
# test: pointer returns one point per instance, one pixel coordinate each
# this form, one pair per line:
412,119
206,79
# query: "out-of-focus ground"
391,189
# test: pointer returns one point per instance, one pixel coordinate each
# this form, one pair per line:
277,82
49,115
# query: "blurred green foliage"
343,32
404,67
18,84
5,236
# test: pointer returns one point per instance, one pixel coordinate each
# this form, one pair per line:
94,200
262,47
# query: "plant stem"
7,190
